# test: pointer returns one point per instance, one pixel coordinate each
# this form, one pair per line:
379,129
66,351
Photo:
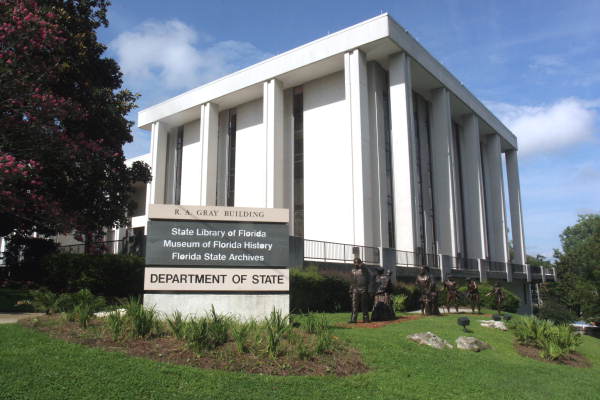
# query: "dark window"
389,182
231,131
178,157
298,162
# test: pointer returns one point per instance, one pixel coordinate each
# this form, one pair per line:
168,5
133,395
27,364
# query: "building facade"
373,146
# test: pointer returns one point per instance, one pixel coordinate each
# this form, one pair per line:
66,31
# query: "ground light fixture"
507,317
464,322
497,317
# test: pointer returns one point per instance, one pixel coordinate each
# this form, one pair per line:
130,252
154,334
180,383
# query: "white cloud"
172,55
542,129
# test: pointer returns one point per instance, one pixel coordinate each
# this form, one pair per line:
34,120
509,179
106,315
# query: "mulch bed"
342,362
379,324
572,360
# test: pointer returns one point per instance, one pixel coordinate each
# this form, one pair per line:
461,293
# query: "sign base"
245,307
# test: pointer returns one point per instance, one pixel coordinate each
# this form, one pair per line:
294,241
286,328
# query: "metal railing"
126,246
517,268
536,270
339,252
496,266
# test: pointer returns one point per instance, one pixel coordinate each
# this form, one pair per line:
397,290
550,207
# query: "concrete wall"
327,161
246,306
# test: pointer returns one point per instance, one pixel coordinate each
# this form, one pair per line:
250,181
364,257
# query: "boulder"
429,339
471,343
494,324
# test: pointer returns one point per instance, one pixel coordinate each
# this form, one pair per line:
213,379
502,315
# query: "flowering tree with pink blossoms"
62,121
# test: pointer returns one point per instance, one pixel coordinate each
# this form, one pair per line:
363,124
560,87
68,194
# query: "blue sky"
536,64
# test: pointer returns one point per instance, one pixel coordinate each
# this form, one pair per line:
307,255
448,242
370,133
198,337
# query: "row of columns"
485,225
480,157
206,145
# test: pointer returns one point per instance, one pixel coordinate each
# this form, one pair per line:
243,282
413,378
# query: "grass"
35,366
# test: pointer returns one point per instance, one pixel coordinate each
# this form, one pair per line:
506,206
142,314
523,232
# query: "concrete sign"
231,259
217,213
217,279
217,244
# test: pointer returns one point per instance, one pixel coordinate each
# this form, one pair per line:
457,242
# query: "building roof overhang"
377,37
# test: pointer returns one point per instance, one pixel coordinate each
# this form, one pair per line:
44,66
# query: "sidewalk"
11,318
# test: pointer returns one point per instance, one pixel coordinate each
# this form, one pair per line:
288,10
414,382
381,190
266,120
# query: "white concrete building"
368,141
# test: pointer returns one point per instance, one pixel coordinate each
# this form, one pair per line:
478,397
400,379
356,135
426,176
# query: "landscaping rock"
471,343
494,324
429,339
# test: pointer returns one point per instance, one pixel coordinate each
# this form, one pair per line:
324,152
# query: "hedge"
312,291
104,275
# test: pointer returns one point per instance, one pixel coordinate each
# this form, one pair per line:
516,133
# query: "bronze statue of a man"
428,290
498,294
473,295
359,290
451,287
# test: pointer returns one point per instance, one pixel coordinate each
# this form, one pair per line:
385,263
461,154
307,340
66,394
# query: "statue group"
361,298
383,310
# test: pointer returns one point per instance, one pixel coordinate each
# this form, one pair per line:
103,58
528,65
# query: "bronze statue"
429,293
359,290
382,307
473,295
498,294
451,287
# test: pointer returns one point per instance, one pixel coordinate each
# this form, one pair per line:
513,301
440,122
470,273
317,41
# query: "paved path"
11,318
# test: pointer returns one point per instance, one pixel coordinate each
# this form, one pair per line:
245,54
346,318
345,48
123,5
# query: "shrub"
107,275
207,333
313,291
276,326
43,300
23,257
196,334
399,303
324,342
143,321
554,341
315,323
555,311
115,321
176,324
240,332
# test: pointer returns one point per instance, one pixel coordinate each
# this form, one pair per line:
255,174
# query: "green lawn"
34,366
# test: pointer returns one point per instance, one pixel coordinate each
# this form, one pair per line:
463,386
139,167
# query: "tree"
62,121
578,268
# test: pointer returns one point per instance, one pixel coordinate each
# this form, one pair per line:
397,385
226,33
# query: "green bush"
315,323
176,324
240,332
143,321
43,300
399,303
554,341
312,291
207,333
106,275
555,311
115,322
277,326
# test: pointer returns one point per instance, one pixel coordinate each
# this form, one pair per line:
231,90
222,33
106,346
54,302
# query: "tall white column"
209,131
355,74
155,191
273,123
516,213
402,137
443,200
494,199
470,153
